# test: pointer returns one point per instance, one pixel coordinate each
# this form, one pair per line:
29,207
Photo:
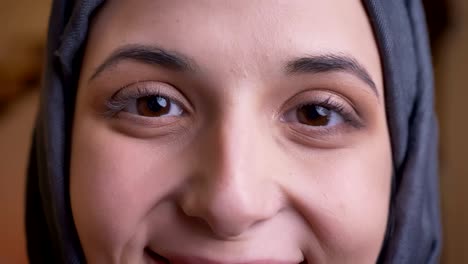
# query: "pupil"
313,115
156,103
153,106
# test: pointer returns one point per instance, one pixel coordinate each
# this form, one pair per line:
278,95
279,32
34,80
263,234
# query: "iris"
153,106
313,115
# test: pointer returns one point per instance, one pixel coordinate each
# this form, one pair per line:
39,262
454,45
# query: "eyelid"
328,99
120,99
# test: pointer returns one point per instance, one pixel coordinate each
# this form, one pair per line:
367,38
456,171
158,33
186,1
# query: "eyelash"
329,103
120,100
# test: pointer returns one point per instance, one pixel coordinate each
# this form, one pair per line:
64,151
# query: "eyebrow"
157,56
331,63
152,55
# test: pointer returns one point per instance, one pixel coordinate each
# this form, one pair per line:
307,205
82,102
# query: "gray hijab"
414,229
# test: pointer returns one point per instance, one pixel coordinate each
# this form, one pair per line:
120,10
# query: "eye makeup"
130,94
314,113
334,111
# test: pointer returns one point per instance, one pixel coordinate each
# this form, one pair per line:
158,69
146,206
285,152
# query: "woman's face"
231,131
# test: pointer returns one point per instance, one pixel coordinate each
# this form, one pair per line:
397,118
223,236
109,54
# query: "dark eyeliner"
348,115
120,100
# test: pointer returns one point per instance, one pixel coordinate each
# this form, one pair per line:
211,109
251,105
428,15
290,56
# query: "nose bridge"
238,143
234,191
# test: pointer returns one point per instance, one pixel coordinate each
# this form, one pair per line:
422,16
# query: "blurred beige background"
452,103
21,46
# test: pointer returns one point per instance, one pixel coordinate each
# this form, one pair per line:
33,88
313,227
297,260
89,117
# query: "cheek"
344,197
115,182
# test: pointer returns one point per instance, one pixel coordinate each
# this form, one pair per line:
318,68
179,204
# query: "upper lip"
180,259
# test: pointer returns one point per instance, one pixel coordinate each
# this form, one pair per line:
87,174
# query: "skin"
236,177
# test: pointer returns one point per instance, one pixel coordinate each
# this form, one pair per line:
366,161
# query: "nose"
233,187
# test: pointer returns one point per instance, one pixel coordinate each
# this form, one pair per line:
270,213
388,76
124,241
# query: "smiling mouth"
158,259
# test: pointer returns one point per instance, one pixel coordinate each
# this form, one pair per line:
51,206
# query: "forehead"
246,36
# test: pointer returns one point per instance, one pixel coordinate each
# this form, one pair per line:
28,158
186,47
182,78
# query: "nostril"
158,259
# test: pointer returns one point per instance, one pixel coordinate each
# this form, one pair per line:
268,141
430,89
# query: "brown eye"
156,106
313,115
